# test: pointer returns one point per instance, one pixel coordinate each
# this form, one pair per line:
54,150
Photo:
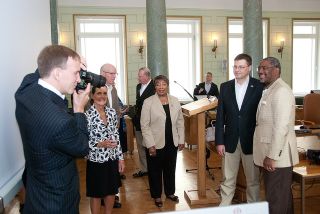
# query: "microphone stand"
193,98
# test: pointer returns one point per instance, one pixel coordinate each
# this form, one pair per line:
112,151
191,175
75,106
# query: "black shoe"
117,204
158,202
173,198
139,174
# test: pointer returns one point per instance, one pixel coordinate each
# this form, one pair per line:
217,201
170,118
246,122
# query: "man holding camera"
52,137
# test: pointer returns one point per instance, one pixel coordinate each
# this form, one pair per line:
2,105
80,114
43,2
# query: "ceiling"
267,5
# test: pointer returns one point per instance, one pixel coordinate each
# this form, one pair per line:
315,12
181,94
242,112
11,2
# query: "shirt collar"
50,88
246,82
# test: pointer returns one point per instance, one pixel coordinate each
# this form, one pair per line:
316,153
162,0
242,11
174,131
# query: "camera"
88,77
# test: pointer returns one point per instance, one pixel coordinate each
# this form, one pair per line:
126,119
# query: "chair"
130,134
311,110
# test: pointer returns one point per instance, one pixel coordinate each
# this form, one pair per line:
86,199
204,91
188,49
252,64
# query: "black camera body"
314,155
88,77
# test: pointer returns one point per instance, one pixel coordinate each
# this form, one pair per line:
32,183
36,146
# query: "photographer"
52,137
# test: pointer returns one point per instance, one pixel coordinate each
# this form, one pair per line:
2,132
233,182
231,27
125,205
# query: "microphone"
185,90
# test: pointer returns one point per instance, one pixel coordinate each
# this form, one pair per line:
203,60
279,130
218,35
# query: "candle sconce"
280,49
141,47
214,48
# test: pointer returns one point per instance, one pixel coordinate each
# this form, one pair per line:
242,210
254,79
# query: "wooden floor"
135,196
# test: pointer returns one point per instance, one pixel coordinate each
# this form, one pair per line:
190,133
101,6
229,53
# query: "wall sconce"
214,48
280,49
140,50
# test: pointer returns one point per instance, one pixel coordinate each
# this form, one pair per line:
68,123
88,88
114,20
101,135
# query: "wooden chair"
311,110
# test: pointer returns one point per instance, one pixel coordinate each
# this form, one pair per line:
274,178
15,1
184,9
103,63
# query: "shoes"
117,204
139,174
122,177
158,202
173,198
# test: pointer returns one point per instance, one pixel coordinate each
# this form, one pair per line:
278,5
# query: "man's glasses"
110,73
240,67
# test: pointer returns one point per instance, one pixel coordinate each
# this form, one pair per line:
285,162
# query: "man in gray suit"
52,138
275,145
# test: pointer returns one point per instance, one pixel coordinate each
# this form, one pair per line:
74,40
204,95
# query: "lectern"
197,111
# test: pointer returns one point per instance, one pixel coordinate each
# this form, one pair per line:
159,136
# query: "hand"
221,150
201,90
121,166
83,63
107,144
180,147
269,164
80,99
152,151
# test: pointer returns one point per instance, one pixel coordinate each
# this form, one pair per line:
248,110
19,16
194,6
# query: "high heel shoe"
158,202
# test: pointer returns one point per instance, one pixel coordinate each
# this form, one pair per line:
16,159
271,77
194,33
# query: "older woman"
105,159
162,127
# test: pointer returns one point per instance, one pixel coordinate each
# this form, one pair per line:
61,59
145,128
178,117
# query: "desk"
305,171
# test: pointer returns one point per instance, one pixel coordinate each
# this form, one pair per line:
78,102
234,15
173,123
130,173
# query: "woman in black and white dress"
105,159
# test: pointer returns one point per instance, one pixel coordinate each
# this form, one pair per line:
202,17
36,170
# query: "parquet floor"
135,196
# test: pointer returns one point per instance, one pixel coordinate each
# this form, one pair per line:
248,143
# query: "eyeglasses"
110,73
264,68
239,67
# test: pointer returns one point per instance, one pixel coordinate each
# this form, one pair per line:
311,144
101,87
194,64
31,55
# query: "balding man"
110,73
145,89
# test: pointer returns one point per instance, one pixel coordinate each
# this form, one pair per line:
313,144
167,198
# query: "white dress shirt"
241,91
143,87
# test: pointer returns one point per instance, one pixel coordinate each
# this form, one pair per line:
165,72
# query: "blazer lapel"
233,94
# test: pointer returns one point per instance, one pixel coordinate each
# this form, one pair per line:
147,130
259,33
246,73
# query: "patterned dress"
102,165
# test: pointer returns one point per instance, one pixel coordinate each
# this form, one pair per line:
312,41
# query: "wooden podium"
196,110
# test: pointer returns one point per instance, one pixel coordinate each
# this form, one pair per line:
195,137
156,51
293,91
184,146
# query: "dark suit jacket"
149,91
232,124
51,138
213,90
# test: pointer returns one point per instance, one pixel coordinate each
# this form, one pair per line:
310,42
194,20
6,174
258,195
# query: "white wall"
25,30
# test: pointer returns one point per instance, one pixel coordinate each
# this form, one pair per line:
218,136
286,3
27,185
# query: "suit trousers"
230,168
278,190
162,167
141,151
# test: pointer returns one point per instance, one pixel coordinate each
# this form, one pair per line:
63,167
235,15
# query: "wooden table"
304,170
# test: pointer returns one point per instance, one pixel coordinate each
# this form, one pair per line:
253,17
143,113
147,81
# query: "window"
306,53
183,55
100,39
235,40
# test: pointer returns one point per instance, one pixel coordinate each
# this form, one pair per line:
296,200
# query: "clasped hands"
107,144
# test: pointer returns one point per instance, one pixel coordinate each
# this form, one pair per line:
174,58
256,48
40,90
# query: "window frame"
266,41
196,46
316,65
121,65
